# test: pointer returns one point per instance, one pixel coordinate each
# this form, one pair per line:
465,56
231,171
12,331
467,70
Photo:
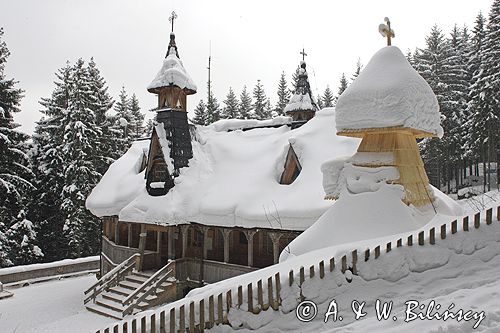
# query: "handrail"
147,292
110,276
147,282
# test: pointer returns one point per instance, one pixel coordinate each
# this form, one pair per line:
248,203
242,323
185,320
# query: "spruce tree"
149,127
230,111
15,169
48,160
295,79
319,102
200,114
80,175
245,106
213,108
342,87
24,240
123,120
358,69
260,105
328,99
137,117
283,95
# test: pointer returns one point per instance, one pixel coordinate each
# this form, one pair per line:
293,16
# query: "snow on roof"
225,125
232,179
300,102
172,73
388,92
121,183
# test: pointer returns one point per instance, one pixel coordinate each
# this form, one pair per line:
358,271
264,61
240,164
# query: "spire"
171,46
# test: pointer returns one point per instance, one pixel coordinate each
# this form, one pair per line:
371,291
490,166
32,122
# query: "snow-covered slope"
233,179
388,92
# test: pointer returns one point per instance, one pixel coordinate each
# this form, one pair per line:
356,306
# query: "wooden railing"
111,278
212,310
147,288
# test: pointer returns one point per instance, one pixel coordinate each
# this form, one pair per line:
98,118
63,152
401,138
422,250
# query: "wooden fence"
212,310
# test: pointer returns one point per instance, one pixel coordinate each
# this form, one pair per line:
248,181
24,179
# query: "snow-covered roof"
302,99
299,102
172,73
387,93
225,125
232,179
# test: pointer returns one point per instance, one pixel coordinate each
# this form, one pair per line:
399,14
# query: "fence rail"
212,310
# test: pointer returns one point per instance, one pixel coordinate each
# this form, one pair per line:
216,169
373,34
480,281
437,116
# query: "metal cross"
303,54
172,17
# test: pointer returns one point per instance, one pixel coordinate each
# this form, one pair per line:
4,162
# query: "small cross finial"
172,18
386,31
303,52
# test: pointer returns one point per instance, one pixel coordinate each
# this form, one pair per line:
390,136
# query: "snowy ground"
53,306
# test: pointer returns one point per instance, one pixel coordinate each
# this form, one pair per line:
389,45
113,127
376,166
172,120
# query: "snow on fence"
196,316
47,271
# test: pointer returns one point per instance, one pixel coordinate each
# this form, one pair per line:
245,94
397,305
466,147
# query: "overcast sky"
250,40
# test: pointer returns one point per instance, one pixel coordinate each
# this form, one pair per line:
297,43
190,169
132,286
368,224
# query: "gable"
292,167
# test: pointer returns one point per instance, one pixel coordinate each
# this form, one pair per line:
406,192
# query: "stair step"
107,303
129,285
120,290
104,311
136,278
119,297
146,275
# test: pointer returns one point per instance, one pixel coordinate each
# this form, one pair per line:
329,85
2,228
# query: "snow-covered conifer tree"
260,107
245,106
328,99
283,95
137,121
200,113
15,169
342,86
230,111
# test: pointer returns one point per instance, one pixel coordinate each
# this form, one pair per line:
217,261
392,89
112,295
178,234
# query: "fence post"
443,231
498,213
332,264
311,272
399,243
410,240
270,293
250,297
388,247
489,216
421,238
191,317
290,278
220,313
367,254
260,292
229,300
454,227
477,220
134,325
172,321
465,223
302,277
377,252
143,324
211,312
202,315
162,321
278,289
115,329
106,330
182,319
344,264
125,327
321,269
432,236
240,296
153,323
355,262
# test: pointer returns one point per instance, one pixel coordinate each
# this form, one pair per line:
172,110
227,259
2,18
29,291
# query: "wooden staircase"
124,291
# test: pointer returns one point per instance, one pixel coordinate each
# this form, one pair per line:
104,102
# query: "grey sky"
250,40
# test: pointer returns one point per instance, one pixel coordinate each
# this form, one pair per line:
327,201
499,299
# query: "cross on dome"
386,31
303,52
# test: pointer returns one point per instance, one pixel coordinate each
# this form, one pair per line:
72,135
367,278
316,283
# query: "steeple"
302,105
170,148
